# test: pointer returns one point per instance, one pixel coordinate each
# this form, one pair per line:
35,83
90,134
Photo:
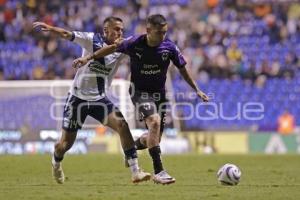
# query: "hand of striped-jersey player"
43,26
79,62
203,96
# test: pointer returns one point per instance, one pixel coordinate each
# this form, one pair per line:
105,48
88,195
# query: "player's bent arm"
104,51
187,77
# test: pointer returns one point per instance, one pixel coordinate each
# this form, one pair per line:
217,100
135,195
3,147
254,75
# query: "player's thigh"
102,109
144,104
75,113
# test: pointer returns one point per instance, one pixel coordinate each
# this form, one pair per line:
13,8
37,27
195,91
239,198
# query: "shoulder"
170,45
169,41
134,39
129,43
97,37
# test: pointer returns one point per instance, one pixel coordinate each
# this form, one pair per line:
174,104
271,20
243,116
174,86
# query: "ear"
105,30
148,29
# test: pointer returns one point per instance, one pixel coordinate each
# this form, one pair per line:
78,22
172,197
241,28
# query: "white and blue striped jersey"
91,83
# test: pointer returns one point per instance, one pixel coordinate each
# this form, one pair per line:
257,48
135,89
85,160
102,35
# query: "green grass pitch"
103,176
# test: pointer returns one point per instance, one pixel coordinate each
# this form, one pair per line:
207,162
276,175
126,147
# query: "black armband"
72,37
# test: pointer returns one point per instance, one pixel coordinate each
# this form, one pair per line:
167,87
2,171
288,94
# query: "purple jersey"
149,65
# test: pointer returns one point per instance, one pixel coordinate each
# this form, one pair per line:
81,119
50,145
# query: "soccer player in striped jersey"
87,95
150,56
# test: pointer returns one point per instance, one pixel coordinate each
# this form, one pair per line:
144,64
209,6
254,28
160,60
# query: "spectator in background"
233,52
250,74
234,55
38,73
286,123
275,70
274,28
265,69
212,3
262,9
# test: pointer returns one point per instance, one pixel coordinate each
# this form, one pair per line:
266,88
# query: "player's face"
113,31
157,33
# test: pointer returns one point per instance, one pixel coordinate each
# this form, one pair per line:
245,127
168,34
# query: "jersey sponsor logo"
97,67
146,66
150,72
150,69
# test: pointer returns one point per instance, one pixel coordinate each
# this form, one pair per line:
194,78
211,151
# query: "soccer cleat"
58,173
140,176
163,178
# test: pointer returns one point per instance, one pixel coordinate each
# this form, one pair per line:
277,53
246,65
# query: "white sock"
134,165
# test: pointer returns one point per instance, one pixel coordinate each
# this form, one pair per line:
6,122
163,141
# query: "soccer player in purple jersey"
150,55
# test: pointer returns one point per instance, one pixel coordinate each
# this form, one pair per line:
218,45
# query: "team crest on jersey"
165,55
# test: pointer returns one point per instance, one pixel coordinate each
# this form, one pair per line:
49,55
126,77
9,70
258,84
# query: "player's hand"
43,26
79,62
203,96
118,41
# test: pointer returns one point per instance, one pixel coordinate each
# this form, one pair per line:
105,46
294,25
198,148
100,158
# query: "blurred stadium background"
244,54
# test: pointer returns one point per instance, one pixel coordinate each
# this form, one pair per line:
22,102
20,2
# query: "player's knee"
57,146
117,122
63,146
154,121
143,139
121,127
67,145
144,136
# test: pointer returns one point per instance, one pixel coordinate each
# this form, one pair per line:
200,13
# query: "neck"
151,43
107,41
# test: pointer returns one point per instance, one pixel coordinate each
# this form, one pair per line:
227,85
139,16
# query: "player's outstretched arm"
104,51
60,32
185,74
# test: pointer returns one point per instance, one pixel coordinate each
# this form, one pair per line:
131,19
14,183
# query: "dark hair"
112,19
157,20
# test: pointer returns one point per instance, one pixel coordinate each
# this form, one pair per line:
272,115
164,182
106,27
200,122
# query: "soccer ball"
229,174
